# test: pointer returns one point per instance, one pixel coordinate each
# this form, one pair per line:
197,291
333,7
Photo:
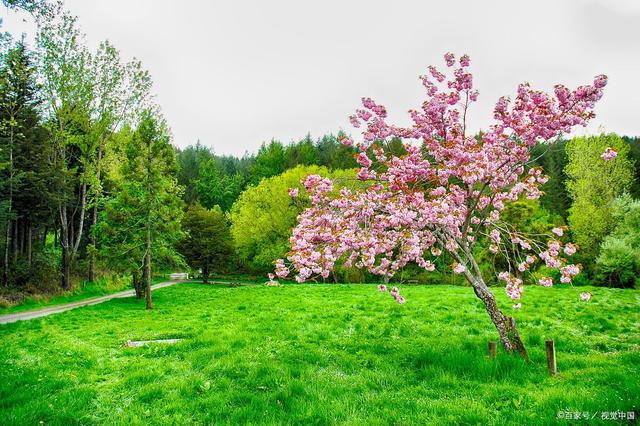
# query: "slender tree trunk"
147,269
66,269
29,242
147,265
64,244
7,243
15,241
94,215
205,273
5,270
92,256
137,283
21,236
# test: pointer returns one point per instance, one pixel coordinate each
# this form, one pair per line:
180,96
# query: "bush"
618,263
42,276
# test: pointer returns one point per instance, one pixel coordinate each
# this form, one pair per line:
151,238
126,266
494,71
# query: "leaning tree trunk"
505,325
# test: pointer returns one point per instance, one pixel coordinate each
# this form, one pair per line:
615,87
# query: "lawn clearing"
320,354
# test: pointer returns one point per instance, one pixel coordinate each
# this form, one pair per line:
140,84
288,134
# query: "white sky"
236,73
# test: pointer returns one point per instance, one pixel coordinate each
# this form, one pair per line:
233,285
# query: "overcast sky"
236,73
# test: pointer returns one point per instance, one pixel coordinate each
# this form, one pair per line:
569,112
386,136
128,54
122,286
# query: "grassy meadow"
321,354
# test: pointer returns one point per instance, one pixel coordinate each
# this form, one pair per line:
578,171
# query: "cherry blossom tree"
445,192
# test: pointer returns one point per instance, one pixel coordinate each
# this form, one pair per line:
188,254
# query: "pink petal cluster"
293,192
446,190
545,282
585,296
568,273
395,293
609,154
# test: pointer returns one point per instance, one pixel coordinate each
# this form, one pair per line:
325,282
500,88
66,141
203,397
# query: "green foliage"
270,161
321,355
207,242
553,159
618,264
593,184
214,188
263,216
145,192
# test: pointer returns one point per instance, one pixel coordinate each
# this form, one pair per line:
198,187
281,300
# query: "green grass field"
321,354
85,290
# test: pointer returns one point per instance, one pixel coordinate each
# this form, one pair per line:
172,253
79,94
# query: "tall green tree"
120,92
207,242
64,65
270,161
142,216
216,188
24,147
593,184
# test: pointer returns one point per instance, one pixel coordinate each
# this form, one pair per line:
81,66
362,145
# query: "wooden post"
551,357
493,349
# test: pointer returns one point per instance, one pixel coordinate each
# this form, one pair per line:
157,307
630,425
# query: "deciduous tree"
447,191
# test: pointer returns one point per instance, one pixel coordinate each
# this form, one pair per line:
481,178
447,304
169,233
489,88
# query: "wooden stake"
493,349
551,357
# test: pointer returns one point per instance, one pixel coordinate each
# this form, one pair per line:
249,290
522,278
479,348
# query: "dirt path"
43,312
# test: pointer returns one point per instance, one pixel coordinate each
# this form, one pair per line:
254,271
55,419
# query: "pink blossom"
585,296
447,189
558,231
545,281
382,288
609,154
459,268
293,192
450,59
400,300
346,141
270,276
570,249
517,306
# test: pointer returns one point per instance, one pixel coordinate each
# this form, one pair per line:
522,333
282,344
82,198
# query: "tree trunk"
505,325
29,242
21,235
92,235
94,216
7,242
147,279
205,273
66,269
15,241
147,265
5,271
137,284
